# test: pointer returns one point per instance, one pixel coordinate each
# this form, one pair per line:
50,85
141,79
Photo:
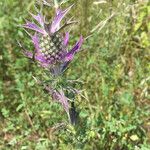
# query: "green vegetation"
114,107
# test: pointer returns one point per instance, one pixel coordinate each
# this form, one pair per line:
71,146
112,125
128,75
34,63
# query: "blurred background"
114,108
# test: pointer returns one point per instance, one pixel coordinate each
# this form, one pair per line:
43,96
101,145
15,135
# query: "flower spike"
51,52
50,45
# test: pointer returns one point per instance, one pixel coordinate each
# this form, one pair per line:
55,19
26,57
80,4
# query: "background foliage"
114,70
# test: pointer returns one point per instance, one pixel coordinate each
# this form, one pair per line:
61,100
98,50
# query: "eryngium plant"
51,52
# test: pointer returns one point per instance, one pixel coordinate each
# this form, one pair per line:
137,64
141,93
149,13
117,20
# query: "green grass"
114,109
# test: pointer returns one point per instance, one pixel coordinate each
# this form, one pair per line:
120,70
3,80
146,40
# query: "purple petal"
35,41
38,54
64,66
28,54
38,58
41,59
32,26
60,96
59,69
38,18
57,19
66,39
69,56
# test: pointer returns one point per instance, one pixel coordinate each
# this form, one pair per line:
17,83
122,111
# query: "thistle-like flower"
51,51
50,45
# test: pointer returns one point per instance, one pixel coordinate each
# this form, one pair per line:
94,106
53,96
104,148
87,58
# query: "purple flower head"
50,45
